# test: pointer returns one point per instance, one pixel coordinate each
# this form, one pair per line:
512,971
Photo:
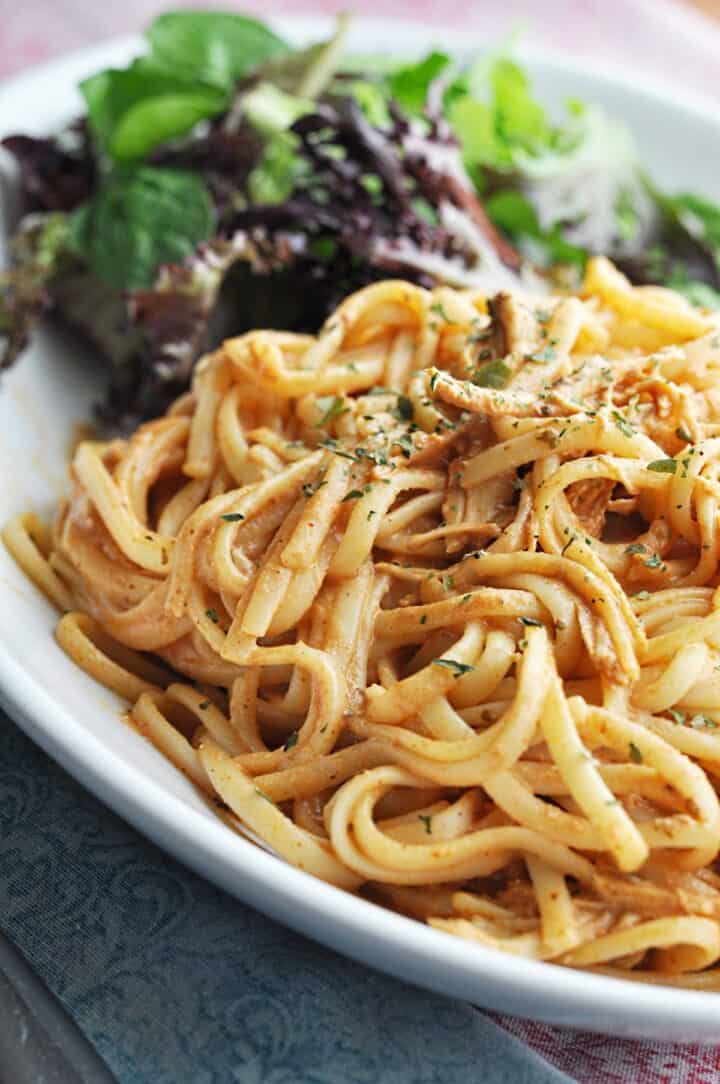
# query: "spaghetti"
429,603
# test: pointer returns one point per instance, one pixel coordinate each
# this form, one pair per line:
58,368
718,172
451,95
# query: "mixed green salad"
225,180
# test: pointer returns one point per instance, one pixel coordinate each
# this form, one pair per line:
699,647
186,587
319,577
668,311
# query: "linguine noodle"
429,604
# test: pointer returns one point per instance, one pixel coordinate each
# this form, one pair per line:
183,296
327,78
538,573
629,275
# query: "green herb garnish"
439,308
623,424
495,374
457,668
333,407
310,488
699,722
404,410
663,466
541,356
567,545
405,444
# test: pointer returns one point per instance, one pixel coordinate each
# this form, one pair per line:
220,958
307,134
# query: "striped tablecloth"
664,39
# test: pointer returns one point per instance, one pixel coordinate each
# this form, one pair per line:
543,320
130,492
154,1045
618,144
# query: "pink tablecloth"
659,37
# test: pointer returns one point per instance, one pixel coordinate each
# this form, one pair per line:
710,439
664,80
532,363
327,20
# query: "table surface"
640,33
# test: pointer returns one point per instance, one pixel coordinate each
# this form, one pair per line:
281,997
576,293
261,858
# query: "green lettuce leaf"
271,110
513,213
698,293
409,85
211,46
505,120
139,219
699,218
133,110
278,171
195,61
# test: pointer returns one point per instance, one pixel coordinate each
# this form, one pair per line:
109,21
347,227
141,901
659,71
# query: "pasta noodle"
430,604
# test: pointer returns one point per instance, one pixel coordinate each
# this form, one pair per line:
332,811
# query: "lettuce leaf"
513,213
495,115
133,110
409,84
195,61
212,47
138,220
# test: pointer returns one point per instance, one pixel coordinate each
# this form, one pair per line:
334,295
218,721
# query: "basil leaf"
134,110
409,85
139,219
196,59
211,46
162,118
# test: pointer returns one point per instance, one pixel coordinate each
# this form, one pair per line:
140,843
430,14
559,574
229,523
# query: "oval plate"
78,723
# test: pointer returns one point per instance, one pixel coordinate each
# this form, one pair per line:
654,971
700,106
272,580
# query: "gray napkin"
175,982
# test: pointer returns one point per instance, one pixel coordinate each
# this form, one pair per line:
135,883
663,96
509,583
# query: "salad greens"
222,173
189,75
212,47
138,221
409,85
496,117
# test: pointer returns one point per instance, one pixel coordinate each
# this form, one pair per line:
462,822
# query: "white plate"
77,722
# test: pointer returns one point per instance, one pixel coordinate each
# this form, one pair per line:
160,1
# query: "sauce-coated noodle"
443,585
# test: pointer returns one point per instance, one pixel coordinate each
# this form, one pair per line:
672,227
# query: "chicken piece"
589,501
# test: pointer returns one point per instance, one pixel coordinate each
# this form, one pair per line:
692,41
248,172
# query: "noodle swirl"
435,623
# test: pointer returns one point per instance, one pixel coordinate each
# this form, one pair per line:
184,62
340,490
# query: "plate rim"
327,914
126,789
306,25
